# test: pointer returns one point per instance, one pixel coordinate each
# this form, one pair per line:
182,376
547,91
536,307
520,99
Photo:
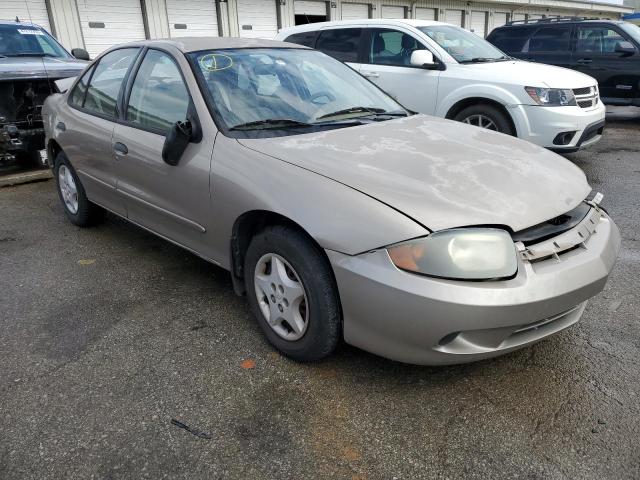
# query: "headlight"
551,97
459,253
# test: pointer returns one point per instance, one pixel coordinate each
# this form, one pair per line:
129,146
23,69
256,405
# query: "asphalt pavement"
125,357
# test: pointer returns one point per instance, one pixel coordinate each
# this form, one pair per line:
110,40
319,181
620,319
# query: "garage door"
389,11
106,23
519,16
499,19
425,13
453,17
355,11
479,23
192,18
305,7
35,11
257,18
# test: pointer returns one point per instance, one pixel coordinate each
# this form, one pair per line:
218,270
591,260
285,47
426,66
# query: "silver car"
340,214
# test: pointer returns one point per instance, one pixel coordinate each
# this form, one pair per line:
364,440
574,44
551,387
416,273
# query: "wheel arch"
53,149
467,102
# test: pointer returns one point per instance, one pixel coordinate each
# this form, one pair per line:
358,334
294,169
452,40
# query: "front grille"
586,97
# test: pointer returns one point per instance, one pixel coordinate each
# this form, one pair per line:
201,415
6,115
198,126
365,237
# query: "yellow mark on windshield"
215,62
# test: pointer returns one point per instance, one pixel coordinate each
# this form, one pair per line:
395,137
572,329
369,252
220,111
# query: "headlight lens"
459,253
551,97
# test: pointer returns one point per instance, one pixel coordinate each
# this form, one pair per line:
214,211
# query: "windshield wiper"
270,123
31,54
480,60
366,111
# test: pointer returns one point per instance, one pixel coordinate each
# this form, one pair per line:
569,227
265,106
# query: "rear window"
308,39
341,43
510,39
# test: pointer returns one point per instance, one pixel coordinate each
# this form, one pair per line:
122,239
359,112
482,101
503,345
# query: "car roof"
554,21
18,24
369,21
195,44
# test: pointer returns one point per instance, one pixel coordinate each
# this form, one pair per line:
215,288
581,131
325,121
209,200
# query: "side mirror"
176,142
625,47
422,58
80,54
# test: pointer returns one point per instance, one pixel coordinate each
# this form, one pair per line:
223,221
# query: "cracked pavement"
123,356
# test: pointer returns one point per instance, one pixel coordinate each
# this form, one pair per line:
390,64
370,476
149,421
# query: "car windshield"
464,46
24,40
291,90
632,30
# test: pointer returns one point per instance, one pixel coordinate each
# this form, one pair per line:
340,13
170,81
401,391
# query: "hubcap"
281,297
68,189
481,121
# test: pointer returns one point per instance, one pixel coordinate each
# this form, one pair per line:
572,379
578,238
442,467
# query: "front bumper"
422,320
542,125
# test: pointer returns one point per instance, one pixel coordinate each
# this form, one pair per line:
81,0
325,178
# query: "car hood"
441,173
534,74
15,68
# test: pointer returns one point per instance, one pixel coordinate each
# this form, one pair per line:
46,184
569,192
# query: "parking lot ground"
123,356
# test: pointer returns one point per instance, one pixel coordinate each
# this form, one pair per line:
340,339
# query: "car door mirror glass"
625,47
422,58
80,54
176,142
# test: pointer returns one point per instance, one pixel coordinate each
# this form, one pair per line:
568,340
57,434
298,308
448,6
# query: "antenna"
26,4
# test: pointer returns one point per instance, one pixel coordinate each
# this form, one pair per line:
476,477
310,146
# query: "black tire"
88,213
324,325
499,118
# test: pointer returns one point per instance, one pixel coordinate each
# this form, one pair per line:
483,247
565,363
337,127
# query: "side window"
308,39
102,94
391,47
511,39
597,39
340,43
550,39
77,95
159,98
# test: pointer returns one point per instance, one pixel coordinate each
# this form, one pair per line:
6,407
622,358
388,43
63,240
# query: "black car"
31,61
607,50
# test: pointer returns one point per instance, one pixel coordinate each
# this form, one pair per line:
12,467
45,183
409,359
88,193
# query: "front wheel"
292,293
485,116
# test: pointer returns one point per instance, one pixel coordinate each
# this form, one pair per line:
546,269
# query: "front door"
595,54
388,65
172,201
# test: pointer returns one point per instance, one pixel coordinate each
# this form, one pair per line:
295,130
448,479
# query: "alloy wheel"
482,121
68,189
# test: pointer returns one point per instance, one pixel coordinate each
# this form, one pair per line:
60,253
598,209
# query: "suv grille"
586,97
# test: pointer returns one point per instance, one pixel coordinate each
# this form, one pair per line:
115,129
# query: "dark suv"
607,50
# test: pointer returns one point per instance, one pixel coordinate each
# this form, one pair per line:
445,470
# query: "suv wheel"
292,293
485,116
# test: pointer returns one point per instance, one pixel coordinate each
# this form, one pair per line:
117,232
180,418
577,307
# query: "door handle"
61,126
370,74
584,61
120,148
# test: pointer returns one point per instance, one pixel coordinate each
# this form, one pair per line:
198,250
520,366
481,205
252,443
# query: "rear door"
88,129
594,54
550,44
388,64
172,201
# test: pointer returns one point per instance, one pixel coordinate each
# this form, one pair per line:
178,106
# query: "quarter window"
159,98
391,47
79,91
597,40
341,43
308,39
104,88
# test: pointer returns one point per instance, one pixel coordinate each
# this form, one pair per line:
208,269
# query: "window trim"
94,65
191,113
367,45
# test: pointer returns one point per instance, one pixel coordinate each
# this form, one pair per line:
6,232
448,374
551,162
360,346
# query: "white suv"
444,70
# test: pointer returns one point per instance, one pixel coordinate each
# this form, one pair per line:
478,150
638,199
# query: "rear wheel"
485,116
292,293
76,205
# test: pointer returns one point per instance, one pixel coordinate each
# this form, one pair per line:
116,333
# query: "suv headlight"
551,97
459,253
